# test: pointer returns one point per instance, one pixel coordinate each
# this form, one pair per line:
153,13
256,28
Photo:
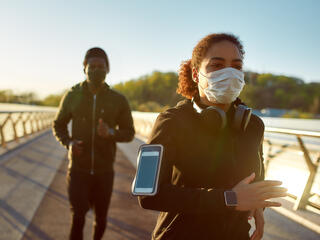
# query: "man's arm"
60,124
126,132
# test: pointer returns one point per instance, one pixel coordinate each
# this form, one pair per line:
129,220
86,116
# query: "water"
23,107
293,123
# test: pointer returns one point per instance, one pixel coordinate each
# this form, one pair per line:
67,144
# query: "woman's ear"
195,76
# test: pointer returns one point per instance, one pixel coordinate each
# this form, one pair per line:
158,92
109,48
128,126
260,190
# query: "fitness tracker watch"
111,132
230,198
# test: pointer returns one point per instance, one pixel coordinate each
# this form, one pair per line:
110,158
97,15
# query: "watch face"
230,198
111,131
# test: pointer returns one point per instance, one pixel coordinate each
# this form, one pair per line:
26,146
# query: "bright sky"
42,43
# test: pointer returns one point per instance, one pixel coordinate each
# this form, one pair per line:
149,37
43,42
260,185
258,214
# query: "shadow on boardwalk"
126,220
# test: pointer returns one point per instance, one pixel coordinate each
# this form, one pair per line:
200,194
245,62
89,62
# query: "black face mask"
97,76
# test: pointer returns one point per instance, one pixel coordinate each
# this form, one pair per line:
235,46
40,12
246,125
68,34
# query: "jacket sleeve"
125,131
260,131
172,198
60,124
261,177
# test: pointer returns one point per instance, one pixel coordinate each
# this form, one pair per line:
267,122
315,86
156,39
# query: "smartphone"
148,168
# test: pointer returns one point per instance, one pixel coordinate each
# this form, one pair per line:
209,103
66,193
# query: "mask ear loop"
195,75
199,85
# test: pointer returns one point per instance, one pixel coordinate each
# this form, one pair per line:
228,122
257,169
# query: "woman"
212,172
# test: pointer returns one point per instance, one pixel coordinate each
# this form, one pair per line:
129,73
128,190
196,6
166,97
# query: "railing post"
37,121
25,122
42,120
24,128
3,140
32,124
303,199
14,125
45,120
269,156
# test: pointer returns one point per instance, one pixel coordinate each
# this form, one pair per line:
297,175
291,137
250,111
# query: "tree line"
31,98
156,92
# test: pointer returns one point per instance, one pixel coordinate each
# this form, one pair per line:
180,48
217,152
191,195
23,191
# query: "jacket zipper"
93,133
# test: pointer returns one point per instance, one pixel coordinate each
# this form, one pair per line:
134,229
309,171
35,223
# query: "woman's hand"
259,222
254,195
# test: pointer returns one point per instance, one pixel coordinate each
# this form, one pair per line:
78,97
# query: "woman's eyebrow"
217,58
222,59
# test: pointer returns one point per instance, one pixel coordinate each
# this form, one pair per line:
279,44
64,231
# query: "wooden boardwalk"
126,220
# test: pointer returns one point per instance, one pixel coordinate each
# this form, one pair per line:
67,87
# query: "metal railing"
17,124
143,122
303,200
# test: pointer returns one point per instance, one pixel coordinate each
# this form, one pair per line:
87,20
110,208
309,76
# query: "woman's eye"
217,66
238,67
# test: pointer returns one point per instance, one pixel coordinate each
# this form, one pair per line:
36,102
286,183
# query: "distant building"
273,112
257,112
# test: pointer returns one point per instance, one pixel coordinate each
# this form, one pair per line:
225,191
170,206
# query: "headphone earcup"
241,117
214,119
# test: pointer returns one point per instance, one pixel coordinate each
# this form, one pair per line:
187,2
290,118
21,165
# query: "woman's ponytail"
186,87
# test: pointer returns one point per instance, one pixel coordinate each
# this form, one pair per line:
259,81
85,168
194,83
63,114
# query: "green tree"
157,88
53,99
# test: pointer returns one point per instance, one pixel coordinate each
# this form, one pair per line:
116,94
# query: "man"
100,118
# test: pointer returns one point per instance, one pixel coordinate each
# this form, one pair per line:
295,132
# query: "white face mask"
224,85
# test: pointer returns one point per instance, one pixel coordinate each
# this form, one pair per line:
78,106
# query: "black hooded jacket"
85,110
197,167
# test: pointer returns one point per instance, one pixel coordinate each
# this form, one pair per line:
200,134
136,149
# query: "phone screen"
147,170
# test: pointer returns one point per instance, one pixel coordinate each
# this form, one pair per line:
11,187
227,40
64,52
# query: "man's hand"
103,129
75,147
259,222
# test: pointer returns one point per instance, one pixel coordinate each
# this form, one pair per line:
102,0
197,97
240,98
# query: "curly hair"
186,86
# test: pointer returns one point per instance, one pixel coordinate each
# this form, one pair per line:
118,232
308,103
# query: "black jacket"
197,167
85,109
